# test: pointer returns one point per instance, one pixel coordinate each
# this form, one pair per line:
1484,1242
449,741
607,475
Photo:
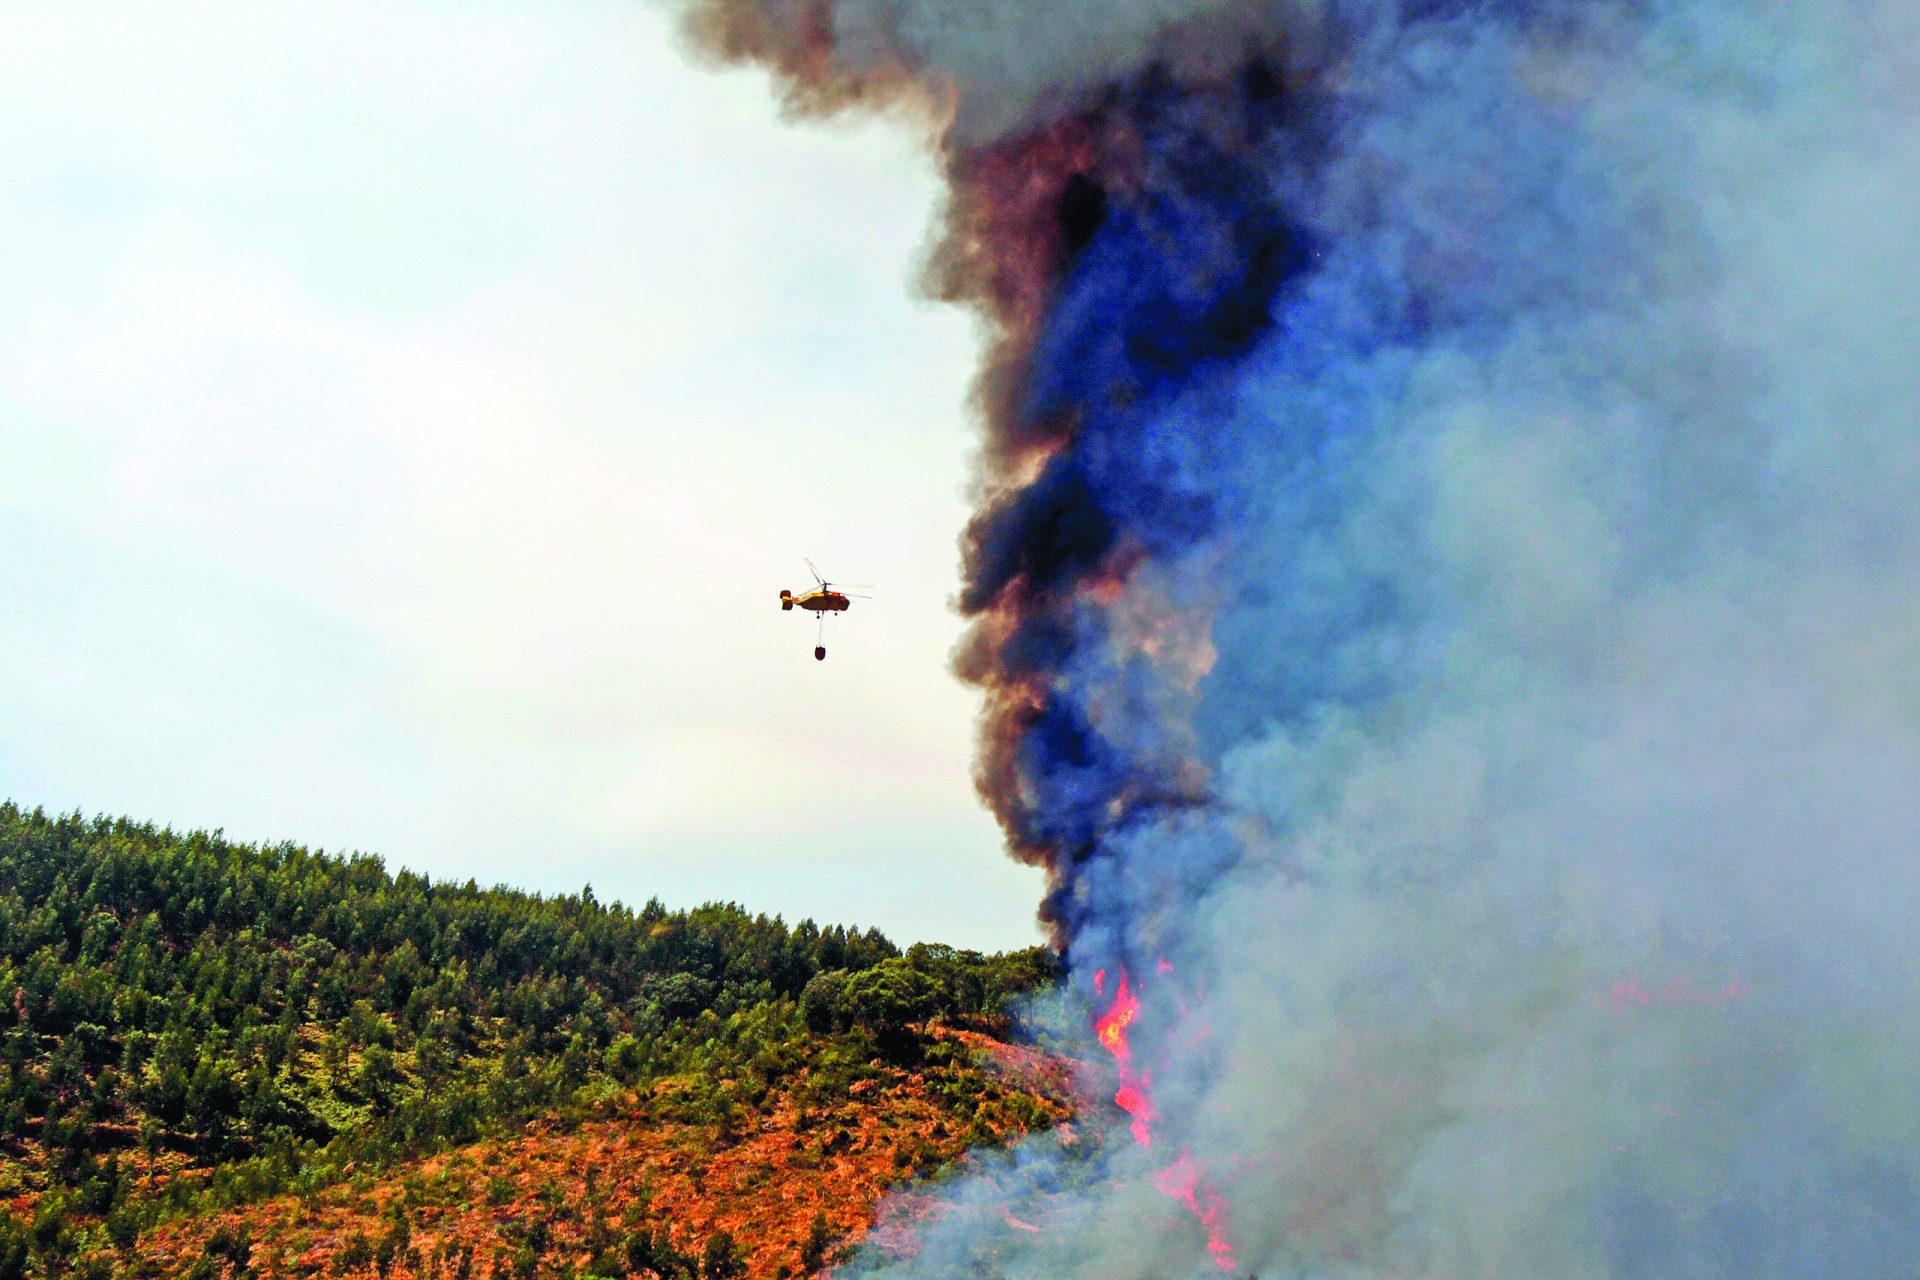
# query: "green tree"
272,1013
817,1250
887,999
722,1259
13,1249
822,1001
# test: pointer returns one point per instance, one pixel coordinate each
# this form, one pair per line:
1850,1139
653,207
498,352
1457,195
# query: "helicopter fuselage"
817,601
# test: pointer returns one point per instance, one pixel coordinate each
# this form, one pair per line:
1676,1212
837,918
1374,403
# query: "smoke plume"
1446,591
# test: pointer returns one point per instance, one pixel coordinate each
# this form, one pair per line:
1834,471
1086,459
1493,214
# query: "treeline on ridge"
261,1018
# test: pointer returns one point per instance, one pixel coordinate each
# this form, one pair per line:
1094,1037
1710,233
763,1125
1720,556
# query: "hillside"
639,1188
209,1045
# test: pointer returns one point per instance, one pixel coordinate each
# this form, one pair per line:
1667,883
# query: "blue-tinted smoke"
1461,654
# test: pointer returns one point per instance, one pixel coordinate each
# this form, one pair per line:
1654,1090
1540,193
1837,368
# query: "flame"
1136,1103
1630,992
1110,1030
1182,1180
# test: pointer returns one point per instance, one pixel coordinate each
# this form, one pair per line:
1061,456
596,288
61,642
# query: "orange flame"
1111,1029
1132,1096
1181,1180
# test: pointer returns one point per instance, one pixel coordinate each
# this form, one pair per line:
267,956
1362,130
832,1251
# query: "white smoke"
1566,715
1556,664
995,68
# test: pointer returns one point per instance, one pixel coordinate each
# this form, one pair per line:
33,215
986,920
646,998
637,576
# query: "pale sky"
409,415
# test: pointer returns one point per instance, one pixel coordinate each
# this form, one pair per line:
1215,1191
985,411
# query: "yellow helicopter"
823,601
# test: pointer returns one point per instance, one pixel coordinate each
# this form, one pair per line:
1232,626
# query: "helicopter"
824,601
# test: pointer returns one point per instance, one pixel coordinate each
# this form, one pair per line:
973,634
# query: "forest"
188,1023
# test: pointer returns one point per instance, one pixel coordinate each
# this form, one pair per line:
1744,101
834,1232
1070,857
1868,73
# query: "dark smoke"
1446,595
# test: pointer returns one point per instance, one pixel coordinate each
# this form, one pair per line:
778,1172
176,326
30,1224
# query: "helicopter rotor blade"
815,572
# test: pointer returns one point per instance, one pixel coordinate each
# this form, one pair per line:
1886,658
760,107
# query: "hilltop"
220,1059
